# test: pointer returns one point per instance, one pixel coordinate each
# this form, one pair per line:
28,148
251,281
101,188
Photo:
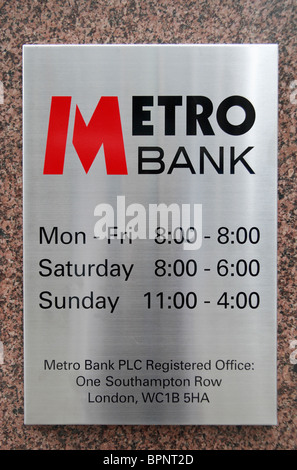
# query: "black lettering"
43,296
48,365
187,164
139,115
248,122
201,118
65,237
219,168
43,234
41,264
170,102
157,160
234,161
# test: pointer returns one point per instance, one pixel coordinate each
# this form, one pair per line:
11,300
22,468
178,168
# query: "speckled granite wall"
140,21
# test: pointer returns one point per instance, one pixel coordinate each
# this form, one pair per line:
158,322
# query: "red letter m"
104,129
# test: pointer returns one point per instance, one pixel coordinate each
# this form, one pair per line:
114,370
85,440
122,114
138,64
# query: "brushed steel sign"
150,218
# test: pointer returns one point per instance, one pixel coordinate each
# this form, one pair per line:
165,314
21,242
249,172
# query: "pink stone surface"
130,22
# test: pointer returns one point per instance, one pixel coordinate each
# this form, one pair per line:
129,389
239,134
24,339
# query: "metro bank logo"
104,128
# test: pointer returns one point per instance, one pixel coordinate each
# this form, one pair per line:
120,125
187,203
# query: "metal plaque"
150,232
